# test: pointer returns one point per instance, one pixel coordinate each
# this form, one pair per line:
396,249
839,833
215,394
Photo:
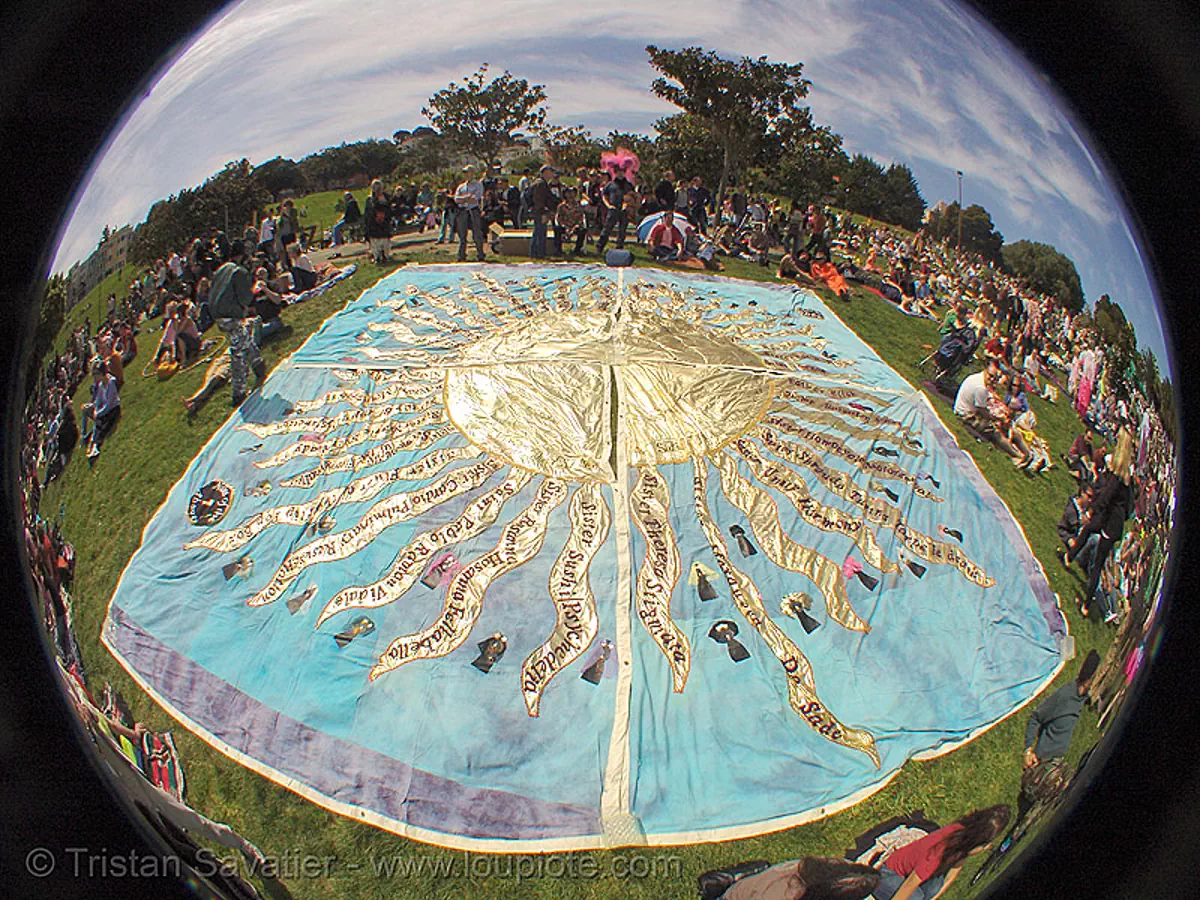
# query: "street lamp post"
959,173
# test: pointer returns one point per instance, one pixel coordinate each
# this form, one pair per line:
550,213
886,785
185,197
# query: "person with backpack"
231,302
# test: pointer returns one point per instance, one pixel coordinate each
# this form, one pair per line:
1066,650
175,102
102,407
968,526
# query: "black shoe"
260,371
237,400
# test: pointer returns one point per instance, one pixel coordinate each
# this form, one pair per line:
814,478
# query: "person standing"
613,200
377,214
1111,507
231,302
699,203
468,197
544,204
664,192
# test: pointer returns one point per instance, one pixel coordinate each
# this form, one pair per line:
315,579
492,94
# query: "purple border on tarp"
1030,567
338,769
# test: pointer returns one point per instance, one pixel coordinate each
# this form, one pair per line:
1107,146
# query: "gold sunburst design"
575,398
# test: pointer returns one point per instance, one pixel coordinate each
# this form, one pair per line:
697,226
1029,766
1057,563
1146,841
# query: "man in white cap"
544,204
468,197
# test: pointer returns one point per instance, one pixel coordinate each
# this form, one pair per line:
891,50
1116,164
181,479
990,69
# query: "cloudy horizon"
958,97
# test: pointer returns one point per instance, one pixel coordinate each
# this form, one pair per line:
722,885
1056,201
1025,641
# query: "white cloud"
919,82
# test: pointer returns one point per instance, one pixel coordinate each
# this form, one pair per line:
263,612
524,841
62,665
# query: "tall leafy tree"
862,187
979,234
1046,270
684,145
1120,344
480,116
278,175
748,106
571,147
903,204
811,170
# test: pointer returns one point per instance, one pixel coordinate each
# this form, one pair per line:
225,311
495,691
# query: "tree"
51,313
903,204
279,175
570,148
1120,344
863,187
684,145
747,105
1046,270
481,118
979,235
812,169
426,151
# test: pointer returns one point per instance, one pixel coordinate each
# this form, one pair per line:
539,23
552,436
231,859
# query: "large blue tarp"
439,749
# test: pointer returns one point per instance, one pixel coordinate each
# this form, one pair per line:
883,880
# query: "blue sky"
923,83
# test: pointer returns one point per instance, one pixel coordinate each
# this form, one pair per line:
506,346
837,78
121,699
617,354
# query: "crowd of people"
1028,344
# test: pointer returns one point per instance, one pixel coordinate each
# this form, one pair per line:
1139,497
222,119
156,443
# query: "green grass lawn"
106,507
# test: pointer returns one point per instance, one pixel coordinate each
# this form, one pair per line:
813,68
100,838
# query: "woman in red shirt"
924,869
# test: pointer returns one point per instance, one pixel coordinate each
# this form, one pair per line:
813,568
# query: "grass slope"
105,509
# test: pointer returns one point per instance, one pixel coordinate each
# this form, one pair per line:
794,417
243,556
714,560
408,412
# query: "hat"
468,168
548,168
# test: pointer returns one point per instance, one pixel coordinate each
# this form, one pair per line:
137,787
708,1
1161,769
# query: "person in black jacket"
1110,509
377,216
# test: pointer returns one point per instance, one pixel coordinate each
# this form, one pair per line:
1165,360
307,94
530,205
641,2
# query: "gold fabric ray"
760,510
398,507
409,388
648,504
576,621
822,417
387,430
877,510
872,419
837,393
520,541
832,445
352,462
802,692
479,515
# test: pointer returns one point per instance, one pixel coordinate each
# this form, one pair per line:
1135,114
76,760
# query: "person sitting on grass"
189,340
1084,457
926,867
216,376
569,219
104,410
975,405
667,240
304,275
268,304
810,878
112,361
796,268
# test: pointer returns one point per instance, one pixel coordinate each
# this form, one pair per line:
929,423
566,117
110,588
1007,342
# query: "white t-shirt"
972,397
469,195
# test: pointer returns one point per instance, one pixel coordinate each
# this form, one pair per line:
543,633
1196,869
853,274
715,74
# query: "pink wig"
623,161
